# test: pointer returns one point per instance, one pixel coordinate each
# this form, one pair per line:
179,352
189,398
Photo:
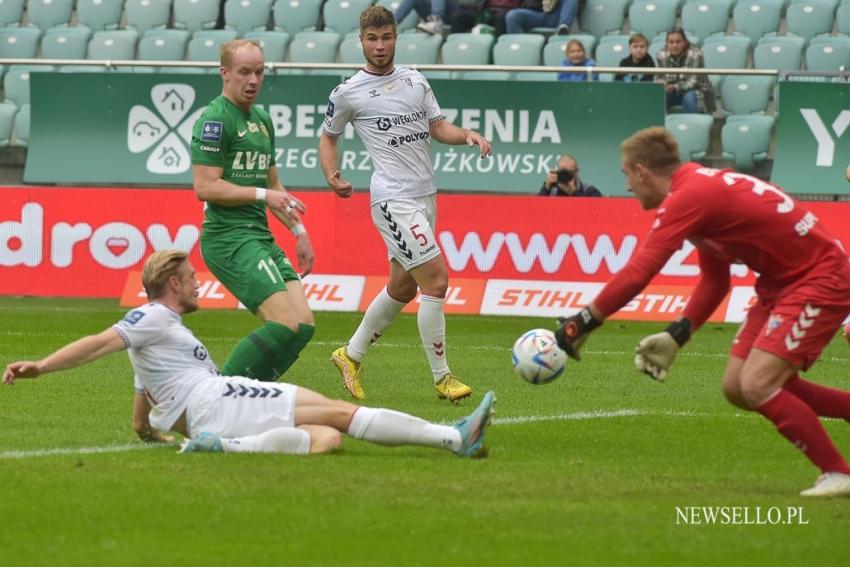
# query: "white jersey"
167,358
392,114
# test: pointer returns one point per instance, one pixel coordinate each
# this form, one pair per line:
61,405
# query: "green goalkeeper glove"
655,354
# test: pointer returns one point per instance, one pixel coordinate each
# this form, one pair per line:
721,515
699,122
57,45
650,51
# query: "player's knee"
325,440
402,292
732,392
437,287
754,391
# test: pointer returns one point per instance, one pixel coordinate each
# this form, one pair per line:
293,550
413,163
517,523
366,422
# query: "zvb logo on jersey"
397,141
384,124
166,129
201,353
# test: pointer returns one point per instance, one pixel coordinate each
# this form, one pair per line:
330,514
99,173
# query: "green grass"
556,489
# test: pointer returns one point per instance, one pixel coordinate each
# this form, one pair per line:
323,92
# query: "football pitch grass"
601,467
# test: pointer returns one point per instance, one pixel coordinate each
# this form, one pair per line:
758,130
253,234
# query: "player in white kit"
395,113
218,413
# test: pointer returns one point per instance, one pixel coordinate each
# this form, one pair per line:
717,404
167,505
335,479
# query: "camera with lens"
565,176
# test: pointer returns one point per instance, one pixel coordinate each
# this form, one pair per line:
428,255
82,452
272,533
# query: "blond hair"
158,268
229,48
573,42
655,148
376,17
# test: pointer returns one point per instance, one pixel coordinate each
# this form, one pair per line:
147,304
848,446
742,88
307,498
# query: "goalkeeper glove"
655,354
573,331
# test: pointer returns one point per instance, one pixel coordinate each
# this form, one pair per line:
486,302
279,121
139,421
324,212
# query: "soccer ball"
537,357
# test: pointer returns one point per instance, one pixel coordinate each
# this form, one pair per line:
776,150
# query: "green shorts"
251,269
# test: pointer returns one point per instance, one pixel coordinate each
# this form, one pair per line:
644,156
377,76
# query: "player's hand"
573,331
21,369
340,186
285,203
304,253
655,354
476,139
845,332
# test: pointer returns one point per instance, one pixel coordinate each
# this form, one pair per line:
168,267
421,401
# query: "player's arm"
211,187
303,246
142,425
329,159
447,133
78,353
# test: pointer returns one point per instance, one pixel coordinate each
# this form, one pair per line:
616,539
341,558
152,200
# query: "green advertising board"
812,138
117,128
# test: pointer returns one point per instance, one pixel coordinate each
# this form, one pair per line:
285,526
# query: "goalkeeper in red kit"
803,291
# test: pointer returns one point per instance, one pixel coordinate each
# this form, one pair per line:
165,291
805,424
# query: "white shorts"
407,226
234,406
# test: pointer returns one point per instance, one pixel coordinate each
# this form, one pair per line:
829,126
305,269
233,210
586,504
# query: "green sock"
294,347
261,354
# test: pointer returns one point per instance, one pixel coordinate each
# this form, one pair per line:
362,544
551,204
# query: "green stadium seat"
652,17
517,50
484,75
784,53
602,17
118,45
274,44
65,43
610,52
729,4
16,82
195,15
842,19
417,49
7,122
11,12
295,16
19,42
746,140
465,49
828,54
162,45
692,132
725,52
742,94
755,19
343,16
553,51
314,47
144,15
408,23
705,18
99,15
810,18
205,46
22,126
245,16
350,49
46,14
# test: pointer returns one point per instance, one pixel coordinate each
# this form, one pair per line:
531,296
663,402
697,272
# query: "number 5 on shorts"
420,236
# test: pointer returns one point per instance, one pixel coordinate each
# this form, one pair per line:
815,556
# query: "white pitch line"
74,451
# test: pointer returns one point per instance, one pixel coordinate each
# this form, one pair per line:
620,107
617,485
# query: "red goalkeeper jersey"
730,218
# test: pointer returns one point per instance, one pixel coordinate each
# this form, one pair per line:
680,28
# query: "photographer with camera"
565,182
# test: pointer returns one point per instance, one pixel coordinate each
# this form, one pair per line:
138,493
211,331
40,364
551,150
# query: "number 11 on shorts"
271,269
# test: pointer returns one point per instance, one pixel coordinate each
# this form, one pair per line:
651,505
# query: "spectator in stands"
483,14
689,91
565,182
543,13
432,12
638,57
576,57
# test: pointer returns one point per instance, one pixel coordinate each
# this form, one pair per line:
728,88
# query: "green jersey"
242,144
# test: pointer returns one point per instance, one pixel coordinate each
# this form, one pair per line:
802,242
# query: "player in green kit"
234,174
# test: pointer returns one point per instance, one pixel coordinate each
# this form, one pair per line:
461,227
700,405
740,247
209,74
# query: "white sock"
279,440
432,330
390,427
380,314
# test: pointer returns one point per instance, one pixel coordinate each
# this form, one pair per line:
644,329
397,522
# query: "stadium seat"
205,44
350,50
65,43
11,12
610,52
99,15
408,23
660,42
274,44
692,132
530,39
652,17
144,15
842,19
484,75
244,16
553,51
195,15
725,52
602,17
343,16
755,18
314,47
465,49
784,53
745,94
46,14
164,45
485,39
7,122
727,3
746,140
16,82
810,18
518,50
828,54
705,18
22,126
417,49
19,42
295,16
117,44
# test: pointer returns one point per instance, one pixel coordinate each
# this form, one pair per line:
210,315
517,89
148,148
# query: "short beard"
189,306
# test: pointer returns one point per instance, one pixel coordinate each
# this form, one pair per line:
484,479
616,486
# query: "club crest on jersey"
773,323
409,82
390,87
374,93
134,317
211,131
264,130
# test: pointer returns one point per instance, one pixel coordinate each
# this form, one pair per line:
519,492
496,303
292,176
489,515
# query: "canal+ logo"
164,133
